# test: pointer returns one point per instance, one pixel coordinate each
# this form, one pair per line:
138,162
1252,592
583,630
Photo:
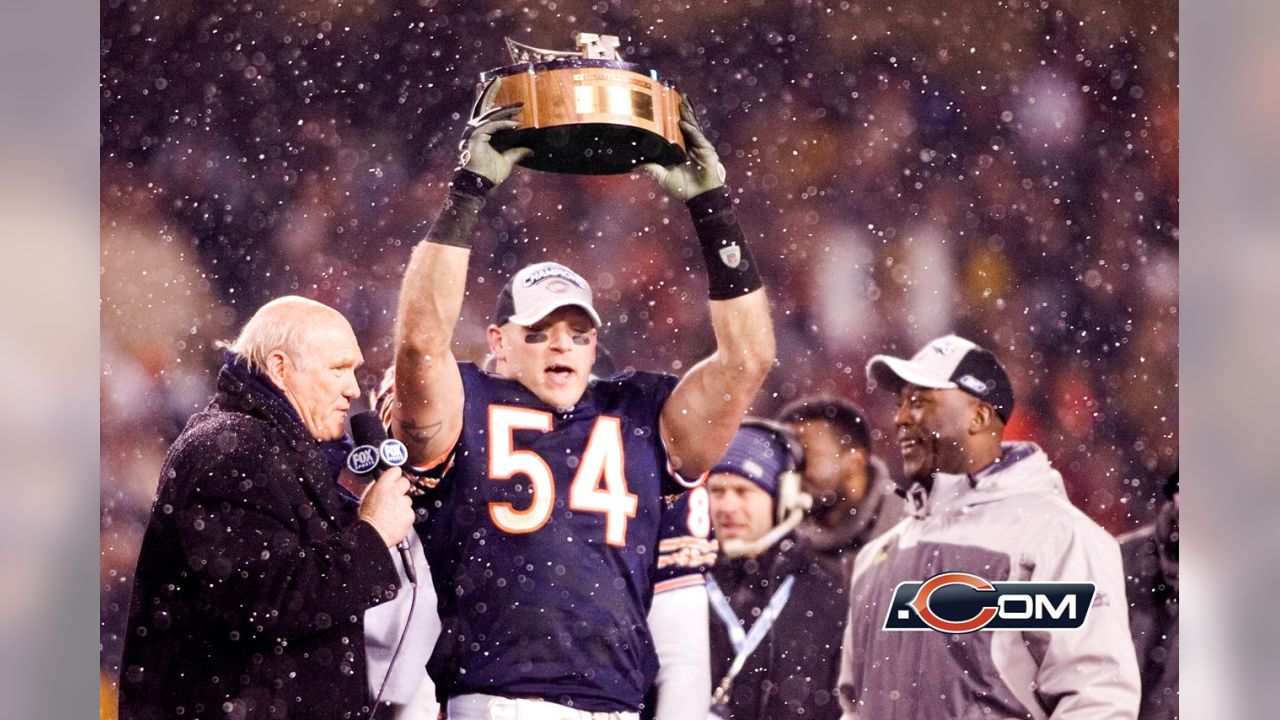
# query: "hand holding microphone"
385,504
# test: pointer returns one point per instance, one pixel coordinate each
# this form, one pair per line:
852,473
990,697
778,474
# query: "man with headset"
777,613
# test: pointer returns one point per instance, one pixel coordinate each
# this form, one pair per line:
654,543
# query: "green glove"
483,159
701,172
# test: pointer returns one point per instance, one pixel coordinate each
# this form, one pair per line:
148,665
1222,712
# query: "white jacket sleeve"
681,637
1090,673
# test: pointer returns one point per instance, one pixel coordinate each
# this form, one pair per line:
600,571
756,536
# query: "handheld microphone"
374,454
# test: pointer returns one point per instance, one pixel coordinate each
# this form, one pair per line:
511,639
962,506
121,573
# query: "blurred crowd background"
1007,171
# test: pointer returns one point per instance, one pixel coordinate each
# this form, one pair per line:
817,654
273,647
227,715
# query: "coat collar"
244,390
792,554
1022,468
879,494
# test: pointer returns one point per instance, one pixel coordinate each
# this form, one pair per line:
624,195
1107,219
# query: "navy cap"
758,455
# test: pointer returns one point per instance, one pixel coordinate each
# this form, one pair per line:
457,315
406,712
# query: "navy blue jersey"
686,547
542,537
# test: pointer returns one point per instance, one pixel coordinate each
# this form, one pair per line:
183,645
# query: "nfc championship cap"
537,290
948,362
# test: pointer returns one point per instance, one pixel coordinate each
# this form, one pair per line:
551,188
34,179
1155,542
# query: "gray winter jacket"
1010,521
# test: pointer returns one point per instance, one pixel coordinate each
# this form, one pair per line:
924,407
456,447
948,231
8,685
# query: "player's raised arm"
703,412
427,412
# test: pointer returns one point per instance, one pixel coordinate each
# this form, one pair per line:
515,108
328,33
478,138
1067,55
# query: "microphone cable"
391,665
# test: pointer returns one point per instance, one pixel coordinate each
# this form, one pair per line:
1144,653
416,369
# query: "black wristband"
731,270
457,219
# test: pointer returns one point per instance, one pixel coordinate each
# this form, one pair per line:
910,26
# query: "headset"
792,502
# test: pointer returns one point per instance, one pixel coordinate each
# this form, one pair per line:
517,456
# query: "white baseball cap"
537,290
948,362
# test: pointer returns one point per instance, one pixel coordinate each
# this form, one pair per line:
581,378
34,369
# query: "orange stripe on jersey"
680,582
687,557
435,462
685,541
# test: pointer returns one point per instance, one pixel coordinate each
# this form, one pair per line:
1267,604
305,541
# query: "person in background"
1150,557
777,611
997,511
854,498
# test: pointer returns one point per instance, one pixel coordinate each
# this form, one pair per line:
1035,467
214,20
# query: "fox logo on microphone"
393,452
958,602
366,458
363,460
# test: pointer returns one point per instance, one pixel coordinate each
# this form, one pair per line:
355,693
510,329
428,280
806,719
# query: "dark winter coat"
793,673
253,577
1153,621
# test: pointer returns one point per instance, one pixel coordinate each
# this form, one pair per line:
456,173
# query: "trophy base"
590,148
585,116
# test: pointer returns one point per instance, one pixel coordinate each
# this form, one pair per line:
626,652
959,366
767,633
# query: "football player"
548,485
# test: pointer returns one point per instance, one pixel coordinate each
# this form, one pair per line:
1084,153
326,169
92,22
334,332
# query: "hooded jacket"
881,508
1009,521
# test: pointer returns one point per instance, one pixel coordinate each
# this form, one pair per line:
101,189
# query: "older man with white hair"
254,574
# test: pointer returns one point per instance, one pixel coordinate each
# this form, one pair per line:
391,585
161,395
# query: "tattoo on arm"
422,433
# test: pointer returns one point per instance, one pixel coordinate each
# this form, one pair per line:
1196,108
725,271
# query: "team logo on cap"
556,285
943,346
973,385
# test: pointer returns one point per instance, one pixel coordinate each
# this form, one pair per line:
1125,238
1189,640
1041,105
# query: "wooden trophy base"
586,116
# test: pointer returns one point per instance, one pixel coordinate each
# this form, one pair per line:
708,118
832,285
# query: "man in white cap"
544,489
996,510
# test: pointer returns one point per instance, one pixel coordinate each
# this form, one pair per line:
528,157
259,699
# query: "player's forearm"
739,306
430,303
427,385
427,410
705,409
435,281
745,345
745,352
